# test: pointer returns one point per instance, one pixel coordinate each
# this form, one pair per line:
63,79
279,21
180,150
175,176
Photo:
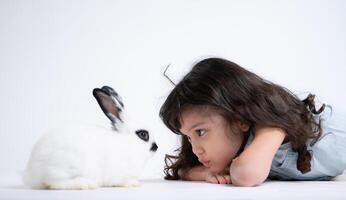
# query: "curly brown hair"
243,96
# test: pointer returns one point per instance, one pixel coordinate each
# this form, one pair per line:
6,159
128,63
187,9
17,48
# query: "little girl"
237,128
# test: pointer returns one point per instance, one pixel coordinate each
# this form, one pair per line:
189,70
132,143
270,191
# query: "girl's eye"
201,132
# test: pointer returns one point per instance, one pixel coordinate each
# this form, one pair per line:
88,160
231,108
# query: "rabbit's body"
91,153
87,157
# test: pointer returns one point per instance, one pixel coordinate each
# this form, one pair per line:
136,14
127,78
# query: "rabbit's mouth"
154,147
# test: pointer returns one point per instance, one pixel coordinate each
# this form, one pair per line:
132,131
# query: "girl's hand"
201,173
218,179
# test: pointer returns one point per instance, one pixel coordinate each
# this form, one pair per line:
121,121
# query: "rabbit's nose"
154,147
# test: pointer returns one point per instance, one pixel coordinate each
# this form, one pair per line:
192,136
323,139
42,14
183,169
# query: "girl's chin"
216,170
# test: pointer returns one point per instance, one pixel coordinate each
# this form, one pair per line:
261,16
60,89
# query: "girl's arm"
252,166
197,173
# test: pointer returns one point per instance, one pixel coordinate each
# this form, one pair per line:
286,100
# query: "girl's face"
213,140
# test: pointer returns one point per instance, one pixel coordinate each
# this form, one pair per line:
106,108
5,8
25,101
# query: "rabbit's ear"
117,99
110,103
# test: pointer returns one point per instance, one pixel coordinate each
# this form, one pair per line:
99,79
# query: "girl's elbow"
246,182
247,177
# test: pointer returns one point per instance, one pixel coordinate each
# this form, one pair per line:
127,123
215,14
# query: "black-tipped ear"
117,99
108,104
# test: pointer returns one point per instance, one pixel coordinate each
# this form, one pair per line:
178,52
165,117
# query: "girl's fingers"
228,179
219,179
212,179
222,179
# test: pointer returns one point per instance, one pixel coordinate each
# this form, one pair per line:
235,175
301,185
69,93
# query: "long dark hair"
243,96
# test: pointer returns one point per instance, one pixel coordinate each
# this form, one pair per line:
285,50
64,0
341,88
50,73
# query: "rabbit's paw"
73,184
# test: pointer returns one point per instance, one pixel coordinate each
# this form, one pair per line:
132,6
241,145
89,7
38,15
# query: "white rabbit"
88,157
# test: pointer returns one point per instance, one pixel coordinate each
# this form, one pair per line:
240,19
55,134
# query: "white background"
53,53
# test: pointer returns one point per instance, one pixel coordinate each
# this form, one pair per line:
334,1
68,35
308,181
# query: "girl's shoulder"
329,152
258,130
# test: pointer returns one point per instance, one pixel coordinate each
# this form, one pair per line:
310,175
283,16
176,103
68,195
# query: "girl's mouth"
206,163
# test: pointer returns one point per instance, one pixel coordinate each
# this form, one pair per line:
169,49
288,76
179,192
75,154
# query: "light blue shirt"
328,153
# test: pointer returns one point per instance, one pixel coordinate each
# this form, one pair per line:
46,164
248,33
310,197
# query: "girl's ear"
244,127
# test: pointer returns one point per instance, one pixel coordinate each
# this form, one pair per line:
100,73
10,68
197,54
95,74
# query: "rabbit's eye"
143,134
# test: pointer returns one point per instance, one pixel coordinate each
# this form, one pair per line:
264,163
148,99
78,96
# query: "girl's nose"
197,149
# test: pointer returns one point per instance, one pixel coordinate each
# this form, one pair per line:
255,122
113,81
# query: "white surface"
12,189
54,52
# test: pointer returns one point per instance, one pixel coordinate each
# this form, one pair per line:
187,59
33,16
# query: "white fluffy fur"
87,157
